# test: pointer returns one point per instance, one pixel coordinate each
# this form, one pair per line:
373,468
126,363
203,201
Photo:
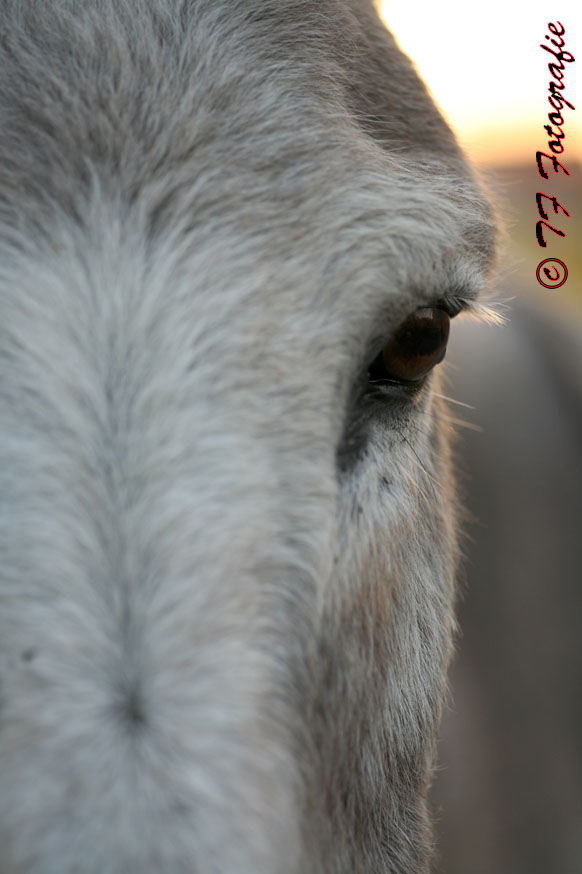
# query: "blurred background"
508,796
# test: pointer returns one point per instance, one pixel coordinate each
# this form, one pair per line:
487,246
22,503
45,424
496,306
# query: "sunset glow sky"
486,70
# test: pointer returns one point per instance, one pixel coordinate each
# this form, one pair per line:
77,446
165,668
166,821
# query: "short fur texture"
226,576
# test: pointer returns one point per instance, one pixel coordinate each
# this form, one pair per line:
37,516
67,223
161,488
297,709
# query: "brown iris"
417,346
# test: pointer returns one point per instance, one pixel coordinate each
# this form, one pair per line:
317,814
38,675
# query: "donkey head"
233,236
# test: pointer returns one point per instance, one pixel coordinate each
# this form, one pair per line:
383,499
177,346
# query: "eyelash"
452,305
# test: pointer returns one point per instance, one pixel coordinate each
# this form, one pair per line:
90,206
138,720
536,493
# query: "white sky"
484,66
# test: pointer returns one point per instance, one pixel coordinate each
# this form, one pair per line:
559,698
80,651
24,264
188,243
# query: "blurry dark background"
508,795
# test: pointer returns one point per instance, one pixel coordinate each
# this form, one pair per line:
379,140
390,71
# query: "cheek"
388,622
398,515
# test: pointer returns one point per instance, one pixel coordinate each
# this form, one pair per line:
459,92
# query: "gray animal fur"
226,606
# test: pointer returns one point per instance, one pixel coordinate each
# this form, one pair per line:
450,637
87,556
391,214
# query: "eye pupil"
417,346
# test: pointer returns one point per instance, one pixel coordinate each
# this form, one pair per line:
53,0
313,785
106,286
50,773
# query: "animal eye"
417,346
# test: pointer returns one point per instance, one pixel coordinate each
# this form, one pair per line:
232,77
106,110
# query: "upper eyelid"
452,304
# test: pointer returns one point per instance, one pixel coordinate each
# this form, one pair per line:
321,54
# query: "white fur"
222,651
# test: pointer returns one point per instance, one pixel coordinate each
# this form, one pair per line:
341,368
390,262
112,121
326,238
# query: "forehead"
291,147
